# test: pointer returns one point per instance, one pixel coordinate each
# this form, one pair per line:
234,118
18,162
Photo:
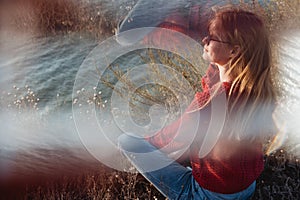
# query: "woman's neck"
224,77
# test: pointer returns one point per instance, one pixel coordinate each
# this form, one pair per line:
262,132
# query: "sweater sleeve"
180,133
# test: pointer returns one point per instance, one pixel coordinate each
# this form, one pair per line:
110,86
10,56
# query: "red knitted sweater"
231,166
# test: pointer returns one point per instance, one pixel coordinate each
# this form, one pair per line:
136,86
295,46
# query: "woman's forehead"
215,27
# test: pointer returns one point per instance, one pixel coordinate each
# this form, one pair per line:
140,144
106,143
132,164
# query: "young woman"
238,49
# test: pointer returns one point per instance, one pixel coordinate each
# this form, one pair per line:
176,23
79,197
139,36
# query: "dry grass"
280,180
109,185
48,17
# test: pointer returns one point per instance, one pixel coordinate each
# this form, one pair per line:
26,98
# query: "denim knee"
124,141
134,144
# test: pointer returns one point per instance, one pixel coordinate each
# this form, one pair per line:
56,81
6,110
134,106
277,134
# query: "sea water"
37,76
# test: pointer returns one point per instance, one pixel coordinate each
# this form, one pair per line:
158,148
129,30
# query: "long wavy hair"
252,95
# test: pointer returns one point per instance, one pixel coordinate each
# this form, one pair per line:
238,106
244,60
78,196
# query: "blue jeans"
174,181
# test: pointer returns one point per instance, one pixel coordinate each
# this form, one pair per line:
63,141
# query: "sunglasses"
207,39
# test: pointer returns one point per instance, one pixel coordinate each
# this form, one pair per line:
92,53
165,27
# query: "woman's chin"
206,57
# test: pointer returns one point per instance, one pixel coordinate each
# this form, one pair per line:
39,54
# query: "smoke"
288,111
37,149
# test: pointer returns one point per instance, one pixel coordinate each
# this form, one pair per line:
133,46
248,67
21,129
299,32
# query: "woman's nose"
204,40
